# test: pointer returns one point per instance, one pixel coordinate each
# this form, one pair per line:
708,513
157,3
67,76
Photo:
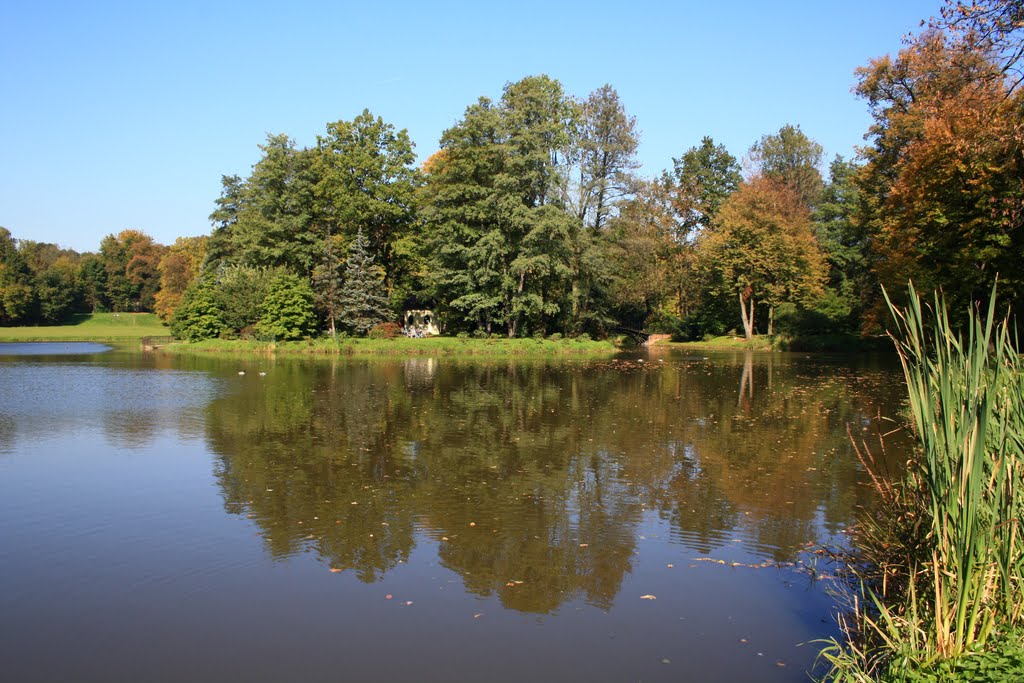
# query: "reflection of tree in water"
310,455
534,477
525,516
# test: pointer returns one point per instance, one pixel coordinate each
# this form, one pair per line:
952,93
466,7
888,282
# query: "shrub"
199,316
385,331
287,311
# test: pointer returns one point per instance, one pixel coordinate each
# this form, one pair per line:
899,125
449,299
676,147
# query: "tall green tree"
269,222
843,241
366,180
460,207
792,158
498,216
605,149
15,282
700,181
221,245
329,283
362,303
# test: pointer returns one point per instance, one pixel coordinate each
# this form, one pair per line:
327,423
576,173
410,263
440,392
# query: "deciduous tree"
790,157
287,310
943,183
763,247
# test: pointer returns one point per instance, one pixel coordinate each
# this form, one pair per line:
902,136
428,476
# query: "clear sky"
123,115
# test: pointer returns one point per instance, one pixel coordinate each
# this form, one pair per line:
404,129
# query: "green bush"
287,311
199,316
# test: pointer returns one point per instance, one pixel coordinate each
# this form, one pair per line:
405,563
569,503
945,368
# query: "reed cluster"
941,567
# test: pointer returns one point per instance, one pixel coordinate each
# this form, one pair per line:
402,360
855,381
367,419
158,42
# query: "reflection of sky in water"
51,348
129,406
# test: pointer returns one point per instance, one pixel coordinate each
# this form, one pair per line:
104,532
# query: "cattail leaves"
959,574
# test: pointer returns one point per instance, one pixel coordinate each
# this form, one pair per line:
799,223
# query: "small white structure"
420,324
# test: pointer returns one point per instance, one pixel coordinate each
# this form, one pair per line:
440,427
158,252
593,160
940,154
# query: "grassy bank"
941,569
91,327
847,343
404,346
725,343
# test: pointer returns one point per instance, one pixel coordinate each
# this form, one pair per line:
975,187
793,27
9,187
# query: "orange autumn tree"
944,179
178,267
761,249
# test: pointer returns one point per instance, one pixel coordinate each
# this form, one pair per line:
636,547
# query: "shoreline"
400,346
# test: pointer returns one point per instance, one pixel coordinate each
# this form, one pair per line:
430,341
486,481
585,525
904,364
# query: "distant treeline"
531,219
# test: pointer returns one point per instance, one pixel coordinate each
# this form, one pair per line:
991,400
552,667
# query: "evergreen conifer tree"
363,302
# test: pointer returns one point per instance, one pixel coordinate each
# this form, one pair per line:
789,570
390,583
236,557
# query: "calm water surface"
649,519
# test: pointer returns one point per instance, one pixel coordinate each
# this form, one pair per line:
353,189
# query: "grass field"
92,327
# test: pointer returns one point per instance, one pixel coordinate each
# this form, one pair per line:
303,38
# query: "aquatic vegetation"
942,573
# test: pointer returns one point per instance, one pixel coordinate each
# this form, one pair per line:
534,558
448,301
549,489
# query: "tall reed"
944,571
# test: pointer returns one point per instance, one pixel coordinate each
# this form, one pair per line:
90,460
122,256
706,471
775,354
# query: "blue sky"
125,115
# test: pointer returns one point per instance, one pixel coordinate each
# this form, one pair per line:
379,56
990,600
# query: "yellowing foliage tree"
762,248
178,267
944,178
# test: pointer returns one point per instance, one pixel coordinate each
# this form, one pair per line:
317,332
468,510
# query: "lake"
643,518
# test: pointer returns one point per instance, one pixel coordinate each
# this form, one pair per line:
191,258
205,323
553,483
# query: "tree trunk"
748,318
771,320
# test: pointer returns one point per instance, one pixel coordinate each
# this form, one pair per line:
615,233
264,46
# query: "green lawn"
92,327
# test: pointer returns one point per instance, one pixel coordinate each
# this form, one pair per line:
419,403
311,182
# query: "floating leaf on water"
335,570
388,596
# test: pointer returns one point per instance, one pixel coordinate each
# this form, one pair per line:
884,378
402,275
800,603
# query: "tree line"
532,218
